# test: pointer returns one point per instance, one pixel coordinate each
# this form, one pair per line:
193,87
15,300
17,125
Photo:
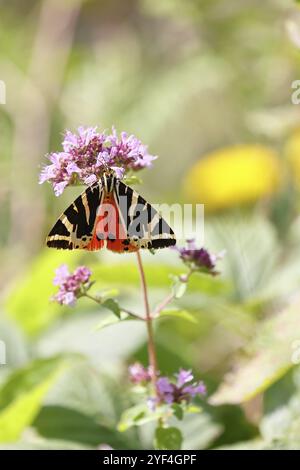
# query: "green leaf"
139,415
183,314
112,320
22,395
58,422
254,444
193,409
178,411
107,321
271,356
281,422
113,306
234,423
167,439
179,289
106,294
29,303
199,430
239,235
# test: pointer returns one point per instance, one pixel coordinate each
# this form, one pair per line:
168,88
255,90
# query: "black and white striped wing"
76,226
144,226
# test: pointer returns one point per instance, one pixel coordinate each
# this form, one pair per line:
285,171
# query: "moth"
110,214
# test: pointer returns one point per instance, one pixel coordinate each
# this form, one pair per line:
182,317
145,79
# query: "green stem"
151,344
170,297
99,302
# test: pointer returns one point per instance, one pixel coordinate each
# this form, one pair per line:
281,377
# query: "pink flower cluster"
139,374
184,389
199,259
88,153
169,391
70,285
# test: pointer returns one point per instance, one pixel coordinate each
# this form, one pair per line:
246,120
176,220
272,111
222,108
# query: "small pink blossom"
169,391
138,373
70,285
199,259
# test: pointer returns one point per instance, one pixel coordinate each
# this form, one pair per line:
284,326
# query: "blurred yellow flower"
292,154
233,176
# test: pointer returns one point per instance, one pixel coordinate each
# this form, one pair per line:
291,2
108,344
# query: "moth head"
109,172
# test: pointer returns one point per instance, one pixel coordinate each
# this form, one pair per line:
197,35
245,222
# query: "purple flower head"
183,390
166,390
199,259
70,285
88,153
197,388
61,275
138,373
164,385
183,377
82,275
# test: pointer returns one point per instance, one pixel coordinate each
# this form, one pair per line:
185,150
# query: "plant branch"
99,302
164,304
185,279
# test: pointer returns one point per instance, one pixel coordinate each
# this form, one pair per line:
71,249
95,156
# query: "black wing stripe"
77,214
60,244
139,215
59,229
75,226
162,243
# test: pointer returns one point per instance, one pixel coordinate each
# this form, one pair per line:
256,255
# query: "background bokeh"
207,84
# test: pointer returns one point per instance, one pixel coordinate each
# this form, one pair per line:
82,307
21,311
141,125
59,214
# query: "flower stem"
164,304
100,302
171,296
151,344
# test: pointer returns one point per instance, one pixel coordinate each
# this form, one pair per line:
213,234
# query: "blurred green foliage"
187,78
